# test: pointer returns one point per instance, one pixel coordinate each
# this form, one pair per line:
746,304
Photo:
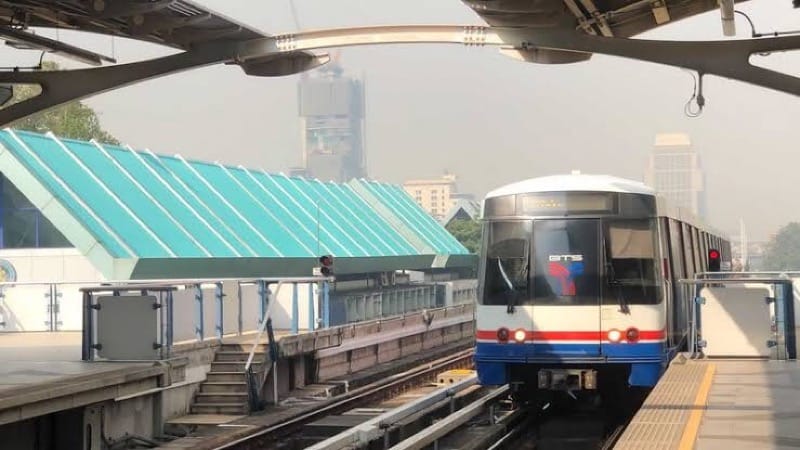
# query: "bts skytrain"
578,284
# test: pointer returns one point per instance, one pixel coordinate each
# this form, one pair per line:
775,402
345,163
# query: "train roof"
573,182
599,183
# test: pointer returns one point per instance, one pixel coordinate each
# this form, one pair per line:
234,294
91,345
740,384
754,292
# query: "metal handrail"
164,282
705,275
254,389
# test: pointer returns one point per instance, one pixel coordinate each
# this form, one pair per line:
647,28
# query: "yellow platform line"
693,424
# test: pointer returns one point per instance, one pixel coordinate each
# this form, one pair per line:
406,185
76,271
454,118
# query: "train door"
566,287
678,273
668,288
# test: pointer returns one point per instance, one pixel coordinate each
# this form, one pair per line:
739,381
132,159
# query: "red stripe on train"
646,335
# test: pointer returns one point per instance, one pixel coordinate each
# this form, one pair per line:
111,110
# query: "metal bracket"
702,343
771,343
769,300
97,346
729,59
700,300
96,306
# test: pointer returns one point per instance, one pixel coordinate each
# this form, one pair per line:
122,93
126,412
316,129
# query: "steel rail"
350,399
361,435
612,438
513,433
450,423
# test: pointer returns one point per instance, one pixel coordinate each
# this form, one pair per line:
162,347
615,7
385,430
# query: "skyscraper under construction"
331,106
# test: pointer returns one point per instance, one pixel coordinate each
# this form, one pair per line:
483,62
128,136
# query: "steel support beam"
729,59
60,87
288,54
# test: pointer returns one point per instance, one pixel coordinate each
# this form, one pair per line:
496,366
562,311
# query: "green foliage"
783,250
73,120
468,232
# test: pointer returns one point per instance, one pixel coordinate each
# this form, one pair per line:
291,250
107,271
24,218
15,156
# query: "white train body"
578,282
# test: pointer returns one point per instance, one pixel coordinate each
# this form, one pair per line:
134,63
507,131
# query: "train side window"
697,247
676,252
688,254
507,263
630,251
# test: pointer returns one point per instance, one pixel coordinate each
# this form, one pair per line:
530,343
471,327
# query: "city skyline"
486,117
674,171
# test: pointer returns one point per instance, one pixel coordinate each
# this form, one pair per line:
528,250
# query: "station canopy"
139,215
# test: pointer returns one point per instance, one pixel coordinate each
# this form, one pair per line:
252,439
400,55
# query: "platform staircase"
225,389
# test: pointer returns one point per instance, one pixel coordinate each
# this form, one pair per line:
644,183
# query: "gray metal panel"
127,327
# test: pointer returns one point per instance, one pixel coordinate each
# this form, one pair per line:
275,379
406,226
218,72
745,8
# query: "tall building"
331,109
674,171
436,195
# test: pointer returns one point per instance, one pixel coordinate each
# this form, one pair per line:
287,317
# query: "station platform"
710,404
42,373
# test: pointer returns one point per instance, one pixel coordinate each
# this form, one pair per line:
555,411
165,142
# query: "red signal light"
327,265
714,260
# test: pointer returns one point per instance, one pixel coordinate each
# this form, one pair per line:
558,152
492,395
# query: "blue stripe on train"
648,360
513,352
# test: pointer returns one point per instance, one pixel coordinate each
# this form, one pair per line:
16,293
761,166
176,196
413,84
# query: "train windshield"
507,263
566,262
571,262
630,263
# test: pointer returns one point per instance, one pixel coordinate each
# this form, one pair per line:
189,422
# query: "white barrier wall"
27,308
282,310
185,309
736,321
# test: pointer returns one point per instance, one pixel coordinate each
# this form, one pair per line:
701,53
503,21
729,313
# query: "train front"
570,290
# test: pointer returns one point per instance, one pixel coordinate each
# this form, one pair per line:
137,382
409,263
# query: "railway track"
519,429
385,388
462,415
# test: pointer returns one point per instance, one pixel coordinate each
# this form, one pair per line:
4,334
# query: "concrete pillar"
299,371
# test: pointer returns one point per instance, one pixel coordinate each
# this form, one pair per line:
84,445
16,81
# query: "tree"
783,250
73,120
468,232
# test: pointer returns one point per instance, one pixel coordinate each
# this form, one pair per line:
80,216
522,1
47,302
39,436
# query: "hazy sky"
487,118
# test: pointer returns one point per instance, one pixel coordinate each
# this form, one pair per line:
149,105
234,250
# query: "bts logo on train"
566,268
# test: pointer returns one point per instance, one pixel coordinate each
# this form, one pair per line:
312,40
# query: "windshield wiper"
512,293
613,281
624,308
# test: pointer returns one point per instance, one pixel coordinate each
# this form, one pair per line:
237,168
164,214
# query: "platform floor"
720,404
38,365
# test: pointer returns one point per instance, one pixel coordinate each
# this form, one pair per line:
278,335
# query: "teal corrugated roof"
417,220
138,205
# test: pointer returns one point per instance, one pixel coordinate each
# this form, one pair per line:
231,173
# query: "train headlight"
502,335
614,335
632,335
519,336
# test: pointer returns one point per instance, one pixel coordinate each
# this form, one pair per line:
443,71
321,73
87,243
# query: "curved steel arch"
289,54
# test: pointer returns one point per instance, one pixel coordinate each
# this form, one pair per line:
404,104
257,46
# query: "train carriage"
578,283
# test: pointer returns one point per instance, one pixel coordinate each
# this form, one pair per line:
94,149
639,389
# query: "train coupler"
567,379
